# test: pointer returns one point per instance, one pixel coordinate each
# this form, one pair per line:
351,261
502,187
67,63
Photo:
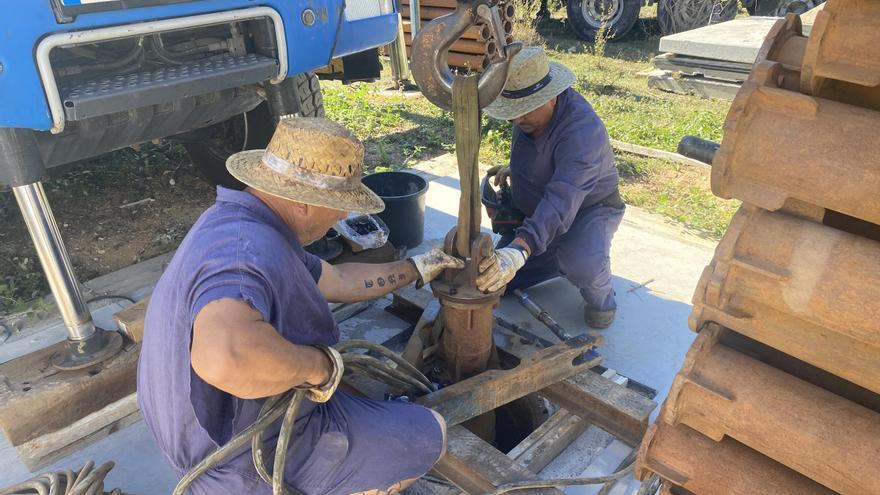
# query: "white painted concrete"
734,41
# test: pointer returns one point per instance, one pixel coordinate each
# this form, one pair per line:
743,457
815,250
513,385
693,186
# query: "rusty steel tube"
776,123
427,13
448,4
473,33
467,338
842,61
688,459
456,59
799,287
722,392
472,47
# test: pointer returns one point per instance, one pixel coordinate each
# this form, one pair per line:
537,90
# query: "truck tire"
675,16
248,131
778,8
585,17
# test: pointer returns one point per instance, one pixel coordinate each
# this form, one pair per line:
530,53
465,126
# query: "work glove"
432,263
323,392
501,174
499,269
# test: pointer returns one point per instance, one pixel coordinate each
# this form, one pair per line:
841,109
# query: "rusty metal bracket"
494,388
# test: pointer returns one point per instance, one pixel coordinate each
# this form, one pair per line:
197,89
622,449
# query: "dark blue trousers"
581,256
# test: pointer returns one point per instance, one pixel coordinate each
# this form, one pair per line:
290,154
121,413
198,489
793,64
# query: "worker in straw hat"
562,177
241,314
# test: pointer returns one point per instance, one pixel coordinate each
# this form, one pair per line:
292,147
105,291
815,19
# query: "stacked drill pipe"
780,392
476,47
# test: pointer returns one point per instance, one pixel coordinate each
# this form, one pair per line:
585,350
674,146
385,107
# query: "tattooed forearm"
390,279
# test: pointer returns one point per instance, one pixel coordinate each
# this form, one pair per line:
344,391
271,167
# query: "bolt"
308,17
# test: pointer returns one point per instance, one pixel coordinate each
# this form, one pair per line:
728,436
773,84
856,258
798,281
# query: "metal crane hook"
430,50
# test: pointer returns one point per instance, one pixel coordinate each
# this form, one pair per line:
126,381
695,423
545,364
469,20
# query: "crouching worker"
562,177
241,314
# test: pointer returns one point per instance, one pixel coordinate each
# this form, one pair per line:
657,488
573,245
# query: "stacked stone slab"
780,392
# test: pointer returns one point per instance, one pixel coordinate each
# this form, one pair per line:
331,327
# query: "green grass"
680,192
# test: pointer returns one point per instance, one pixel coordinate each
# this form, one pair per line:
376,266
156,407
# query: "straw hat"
309,160
533,80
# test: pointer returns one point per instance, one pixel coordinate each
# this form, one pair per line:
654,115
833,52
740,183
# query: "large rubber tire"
585,17
248,131
778,8
668,25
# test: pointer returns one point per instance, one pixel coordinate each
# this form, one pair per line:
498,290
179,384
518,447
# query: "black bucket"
404,197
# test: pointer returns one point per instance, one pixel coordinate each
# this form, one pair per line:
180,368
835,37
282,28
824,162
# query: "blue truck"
79,78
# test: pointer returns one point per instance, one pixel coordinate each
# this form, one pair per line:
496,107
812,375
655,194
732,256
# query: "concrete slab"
734,41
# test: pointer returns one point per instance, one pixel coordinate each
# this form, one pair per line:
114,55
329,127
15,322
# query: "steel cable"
87,481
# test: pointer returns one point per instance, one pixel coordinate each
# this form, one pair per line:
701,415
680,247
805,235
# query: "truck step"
120,92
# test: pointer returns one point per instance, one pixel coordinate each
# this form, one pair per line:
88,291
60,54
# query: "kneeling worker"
562,176
241,314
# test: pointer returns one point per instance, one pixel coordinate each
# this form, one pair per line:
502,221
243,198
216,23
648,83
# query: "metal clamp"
44,49
430,51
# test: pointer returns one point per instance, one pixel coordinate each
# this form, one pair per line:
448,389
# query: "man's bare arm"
234,350
352,282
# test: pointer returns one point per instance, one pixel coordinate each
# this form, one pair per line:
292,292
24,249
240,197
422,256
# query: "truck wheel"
585,17
248,131
676,16
778,8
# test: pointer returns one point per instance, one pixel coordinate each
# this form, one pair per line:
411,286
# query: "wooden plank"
477,467
36,399
409,303
549,440
130,320
616,409
46,449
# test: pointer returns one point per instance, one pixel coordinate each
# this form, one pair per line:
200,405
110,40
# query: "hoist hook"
430,50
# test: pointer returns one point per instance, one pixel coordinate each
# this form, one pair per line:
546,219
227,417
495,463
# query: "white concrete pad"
734,41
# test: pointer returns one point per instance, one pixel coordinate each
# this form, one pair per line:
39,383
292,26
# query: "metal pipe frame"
53,256
44,49
86,344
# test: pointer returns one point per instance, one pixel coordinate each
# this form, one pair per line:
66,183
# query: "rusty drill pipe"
446,4
462,46
464,60
799,287
688,459
775,124
427,13
841,60
473,33
786,44
721,392
465,344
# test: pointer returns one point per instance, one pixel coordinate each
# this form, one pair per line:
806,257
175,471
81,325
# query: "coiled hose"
87,481
404,376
